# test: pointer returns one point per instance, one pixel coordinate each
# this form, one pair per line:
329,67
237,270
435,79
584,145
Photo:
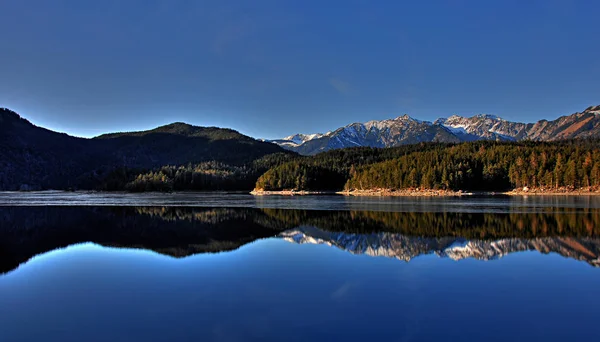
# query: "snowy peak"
293,141
299,139
302,138
482,126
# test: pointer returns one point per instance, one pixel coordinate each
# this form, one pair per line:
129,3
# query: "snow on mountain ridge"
301,138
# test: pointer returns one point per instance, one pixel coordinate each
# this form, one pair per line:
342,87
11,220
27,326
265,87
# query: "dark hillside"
34,158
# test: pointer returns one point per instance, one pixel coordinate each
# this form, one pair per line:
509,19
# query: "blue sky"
273,68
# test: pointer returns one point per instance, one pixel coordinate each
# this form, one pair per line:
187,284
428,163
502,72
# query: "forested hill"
183,129
181,144
32,157
477,166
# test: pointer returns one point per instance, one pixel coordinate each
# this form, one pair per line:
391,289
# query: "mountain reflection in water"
178,231
405,248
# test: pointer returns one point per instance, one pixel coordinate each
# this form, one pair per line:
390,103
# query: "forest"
331,169
475,166
205,176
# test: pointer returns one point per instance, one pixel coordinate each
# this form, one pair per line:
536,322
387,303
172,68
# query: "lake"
233,267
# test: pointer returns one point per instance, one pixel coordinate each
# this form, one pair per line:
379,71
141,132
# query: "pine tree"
570,176
558,171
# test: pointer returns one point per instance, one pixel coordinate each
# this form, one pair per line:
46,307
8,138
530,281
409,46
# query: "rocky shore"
564,191
434,193
404,193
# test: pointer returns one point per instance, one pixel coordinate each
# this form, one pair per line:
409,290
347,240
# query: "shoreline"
357,193
429,193
551,193
290,193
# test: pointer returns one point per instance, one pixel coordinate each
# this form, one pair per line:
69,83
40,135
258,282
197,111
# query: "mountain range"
35,158
407,130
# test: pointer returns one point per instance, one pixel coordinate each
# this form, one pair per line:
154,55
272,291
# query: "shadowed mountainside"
32,157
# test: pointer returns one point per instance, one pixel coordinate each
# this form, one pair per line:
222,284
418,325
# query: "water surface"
325,202
477,269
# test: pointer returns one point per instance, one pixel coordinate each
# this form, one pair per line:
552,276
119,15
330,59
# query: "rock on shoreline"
404,193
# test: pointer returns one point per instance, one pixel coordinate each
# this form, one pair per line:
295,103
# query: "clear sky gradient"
273,68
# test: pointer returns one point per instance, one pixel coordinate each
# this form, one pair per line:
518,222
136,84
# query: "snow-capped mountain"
296,140
408,247
384,133
407,130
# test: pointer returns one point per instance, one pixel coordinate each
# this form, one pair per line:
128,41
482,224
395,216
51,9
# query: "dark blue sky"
272,68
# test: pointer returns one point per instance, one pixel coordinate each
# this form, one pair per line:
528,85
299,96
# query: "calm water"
200,267
243,200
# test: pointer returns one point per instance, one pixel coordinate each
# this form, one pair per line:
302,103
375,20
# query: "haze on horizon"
274,68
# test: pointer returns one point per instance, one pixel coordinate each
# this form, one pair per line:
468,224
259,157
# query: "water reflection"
406,248
178,232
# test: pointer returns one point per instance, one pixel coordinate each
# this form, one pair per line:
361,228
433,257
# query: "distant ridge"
407,130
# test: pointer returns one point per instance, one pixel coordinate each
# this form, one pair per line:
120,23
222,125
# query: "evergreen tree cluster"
488,166
481,165
330,170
